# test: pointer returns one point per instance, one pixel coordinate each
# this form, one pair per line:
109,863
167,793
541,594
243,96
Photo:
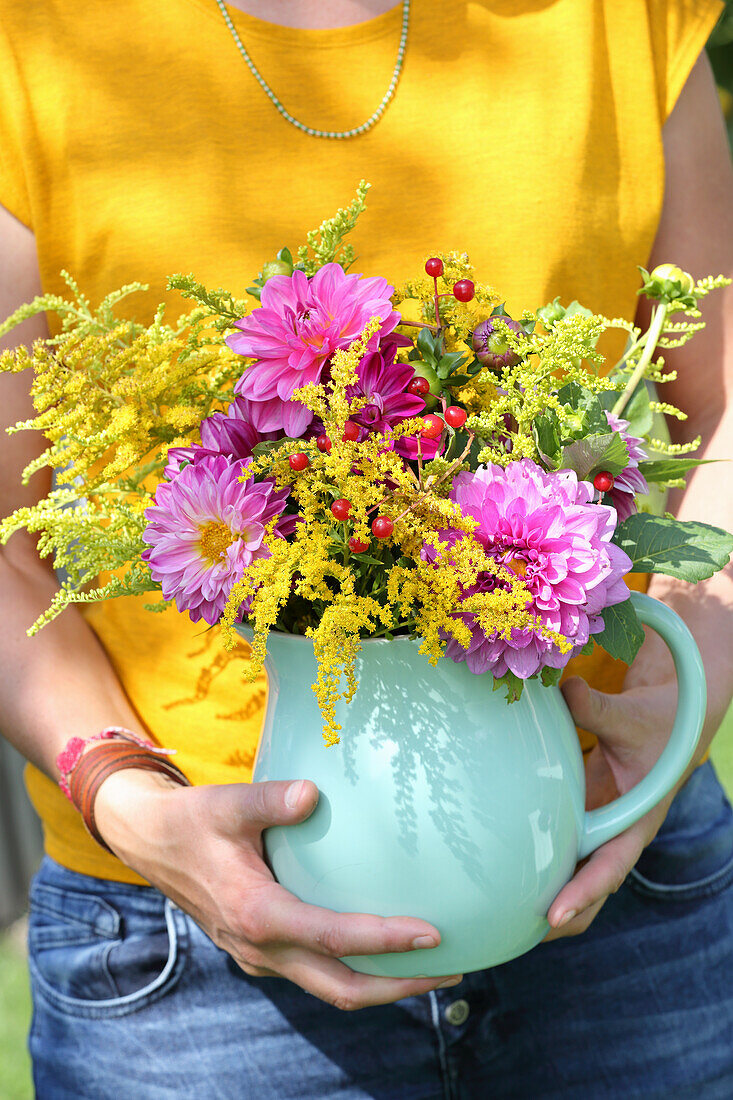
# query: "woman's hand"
696,232
202,847
633,728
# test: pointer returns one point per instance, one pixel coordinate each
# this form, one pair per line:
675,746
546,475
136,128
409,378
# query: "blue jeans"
133,1002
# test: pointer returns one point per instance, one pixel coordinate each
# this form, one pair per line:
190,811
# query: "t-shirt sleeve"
15,136
679,29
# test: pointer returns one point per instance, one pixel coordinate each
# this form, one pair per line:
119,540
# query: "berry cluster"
463,290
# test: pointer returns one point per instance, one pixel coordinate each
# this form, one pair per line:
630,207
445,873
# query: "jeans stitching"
700,888
45,906
121,1006
442,1052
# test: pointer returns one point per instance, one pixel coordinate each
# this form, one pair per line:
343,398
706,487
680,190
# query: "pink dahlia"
545,527
630,481
300,324
205,529
234,433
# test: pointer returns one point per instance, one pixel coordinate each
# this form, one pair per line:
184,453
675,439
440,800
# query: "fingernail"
450,981
293,793
566,917
424,941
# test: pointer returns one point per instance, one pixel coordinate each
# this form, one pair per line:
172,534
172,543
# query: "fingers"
292,922
343,988
577,924
252,807
279,802
602,874
594,710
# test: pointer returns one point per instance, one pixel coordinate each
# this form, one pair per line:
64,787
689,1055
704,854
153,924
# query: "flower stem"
652,338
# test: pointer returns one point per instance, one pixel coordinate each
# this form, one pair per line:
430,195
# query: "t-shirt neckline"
250,27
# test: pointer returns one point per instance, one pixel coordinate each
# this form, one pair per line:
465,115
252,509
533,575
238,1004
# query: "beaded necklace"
311,130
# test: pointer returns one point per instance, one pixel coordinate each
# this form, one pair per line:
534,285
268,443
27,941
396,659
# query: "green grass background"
15,1009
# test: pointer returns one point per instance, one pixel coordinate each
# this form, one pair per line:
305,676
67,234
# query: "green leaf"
512,685
587,405
286,255
451,359
266,446
551,676
457,379
669,469
447,364
622,633
429,346
595,452
546,432
684,549
576,308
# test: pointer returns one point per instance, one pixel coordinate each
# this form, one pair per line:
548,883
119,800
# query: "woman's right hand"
202,847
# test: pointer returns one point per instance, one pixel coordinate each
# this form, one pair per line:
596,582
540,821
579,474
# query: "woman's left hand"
632,728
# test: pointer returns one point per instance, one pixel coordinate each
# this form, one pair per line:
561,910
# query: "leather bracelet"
99,762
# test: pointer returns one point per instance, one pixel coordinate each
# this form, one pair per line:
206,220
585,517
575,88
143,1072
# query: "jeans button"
457,1013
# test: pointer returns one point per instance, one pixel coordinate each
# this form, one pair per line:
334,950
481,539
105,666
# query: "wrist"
129,809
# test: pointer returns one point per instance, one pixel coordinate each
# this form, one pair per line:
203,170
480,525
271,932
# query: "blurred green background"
15,1081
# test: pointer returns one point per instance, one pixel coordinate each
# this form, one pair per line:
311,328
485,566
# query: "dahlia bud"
491,346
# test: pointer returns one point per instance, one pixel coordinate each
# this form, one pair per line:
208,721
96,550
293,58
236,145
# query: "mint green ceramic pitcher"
443,801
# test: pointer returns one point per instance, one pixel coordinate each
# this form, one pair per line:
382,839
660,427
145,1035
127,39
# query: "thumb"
278,802
596,711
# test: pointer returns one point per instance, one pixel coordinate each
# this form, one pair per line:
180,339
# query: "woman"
561,143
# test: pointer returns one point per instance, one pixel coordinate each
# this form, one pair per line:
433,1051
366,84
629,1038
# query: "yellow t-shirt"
135,142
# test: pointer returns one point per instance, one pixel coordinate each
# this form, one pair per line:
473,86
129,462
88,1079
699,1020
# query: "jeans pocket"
691,857
93,956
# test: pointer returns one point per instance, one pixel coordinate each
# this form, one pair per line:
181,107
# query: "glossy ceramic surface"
444,802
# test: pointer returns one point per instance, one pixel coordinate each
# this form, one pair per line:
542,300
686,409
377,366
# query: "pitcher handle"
608,821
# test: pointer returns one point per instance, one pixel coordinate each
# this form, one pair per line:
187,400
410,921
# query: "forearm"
59,683
707,607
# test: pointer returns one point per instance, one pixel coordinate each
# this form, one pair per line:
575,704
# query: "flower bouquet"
402,491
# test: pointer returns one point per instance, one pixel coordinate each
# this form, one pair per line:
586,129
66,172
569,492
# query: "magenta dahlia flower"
300,324
203,531
234,433
545,527
383,382
630,481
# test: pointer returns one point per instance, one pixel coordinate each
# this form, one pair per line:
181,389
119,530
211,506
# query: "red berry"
464,290
341,508
434,267
455,416
299,461
356,546
382,527
351,431
323,443
419,387
433,426
603,481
